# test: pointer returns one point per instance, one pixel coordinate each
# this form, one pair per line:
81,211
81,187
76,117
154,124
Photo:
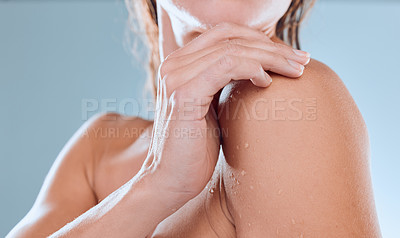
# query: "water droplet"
251,187
246,145
259,211
237,147
238,92
240,215
301,236
211,190
279,191
293,221
277,231
243,173
258,140
248,224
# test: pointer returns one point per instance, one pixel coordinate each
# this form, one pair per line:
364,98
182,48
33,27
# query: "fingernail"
268,78
301,53
302,69
296,65
308,61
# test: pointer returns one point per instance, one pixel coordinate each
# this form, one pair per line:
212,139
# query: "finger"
286,51
268,60
277,48
221,72
219,33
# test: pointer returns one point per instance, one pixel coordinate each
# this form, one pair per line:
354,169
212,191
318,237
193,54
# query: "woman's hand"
185,140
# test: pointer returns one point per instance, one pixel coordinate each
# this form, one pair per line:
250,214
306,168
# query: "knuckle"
278,60
225,62
274,46
256,69
168,65
259,69
179,96
163,69
278,47
231,47
234,41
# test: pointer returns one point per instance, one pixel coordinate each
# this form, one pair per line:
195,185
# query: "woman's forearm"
133,210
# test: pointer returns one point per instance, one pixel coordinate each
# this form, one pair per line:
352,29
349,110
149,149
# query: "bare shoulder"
105,130
318,98
296,158
68,188
99,132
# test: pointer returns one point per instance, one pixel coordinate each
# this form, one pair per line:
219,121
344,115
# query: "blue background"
56,54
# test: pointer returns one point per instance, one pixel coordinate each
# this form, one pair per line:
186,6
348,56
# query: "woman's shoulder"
317,80
302,145
101,133
110,128
68,190
319,96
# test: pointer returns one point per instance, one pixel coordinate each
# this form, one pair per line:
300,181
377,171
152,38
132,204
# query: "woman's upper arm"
297,159
66,192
